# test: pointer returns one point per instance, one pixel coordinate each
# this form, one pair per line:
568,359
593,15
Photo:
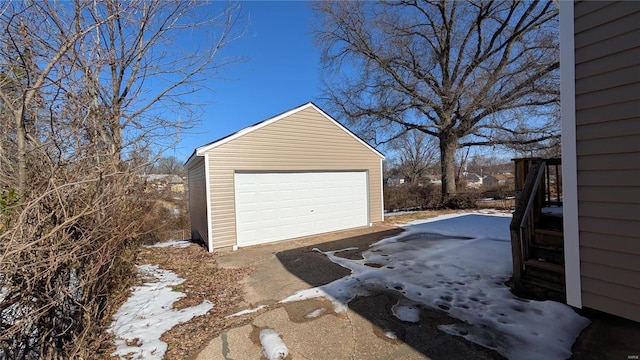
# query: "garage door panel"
277,206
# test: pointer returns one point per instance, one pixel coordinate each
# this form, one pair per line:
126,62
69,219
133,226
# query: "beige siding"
607,55
303,141
198,201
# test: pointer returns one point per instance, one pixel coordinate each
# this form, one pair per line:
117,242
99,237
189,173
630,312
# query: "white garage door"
277,206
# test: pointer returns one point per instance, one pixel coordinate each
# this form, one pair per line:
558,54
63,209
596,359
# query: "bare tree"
415,154
469,73
138,74
169,165
85,86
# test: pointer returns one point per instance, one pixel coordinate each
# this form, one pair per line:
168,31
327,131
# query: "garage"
277,206
296,174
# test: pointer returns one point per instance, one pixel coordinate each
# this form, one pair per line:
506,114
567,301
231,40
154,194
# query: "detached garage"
299,173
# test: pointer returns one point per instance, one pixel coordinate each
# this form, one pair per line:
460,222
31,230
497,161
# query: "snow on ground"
273,347
552,210
172,243
458,263
148,313
247,311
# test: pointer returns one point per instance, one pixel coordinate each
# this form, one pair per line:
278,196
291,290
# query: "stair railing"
524,218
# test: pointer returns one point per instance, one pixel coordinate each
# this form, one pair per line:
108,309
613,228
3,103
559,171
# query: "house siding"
302,141
198,201
607,84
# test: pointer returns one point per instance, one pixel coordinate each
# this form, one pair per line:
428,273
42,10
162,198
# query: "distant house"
472,180
496,179
434,179
296,174
395,181
163,181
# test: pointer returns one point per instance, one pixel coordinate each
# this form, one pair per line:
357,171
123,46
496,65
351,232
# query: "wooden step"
549,238
545,265
544,270
542,290
547,253
551,222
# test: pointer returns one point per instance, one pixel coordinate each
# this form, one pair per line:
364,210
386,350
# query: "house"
434,179
395,181
598,263
161,181
496,179
296,174
472,180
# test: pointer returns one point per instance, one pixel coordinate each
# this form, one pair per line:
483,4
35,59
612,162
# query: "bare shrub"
463,201
76,114
411,197
66,258
499,192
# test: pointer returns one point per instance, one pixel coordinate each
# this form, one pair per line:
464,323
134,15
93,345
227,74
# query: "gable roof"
200,151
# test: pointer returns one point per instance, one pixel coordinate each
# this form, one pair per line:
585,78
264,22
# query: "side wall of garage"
198,200
303,141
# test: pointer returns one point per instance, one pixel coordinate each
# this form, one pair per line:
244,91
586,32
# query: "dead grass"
501,204
204,281
417,215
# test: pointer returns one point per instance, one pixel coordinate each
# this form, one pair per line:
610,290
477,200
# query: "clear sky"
282,71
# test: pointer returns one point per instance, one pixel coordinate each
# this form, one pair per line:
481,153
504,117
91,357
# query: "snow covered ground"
458,263
172,243
148,313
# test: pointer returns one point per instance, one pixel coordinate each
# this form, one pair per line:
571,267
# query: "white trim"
381,189
569,156
203,149
191,160
208,192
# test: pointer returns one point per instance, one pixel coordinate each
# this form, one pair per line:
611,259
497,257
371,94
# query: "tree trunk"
448,147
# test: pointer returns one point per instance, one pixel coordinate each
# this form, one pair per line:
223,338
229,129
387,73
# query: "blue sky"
282,71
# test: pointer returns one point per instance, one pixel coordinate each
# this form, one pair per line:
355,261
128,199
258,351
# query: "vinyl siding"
198,201
302,141
607,79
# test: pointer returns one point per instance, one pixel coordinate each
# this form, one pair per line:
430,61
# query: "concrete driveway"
311,329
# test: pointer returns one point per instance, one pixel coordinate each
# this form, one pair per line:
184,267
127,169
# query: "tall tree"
460,71
415,154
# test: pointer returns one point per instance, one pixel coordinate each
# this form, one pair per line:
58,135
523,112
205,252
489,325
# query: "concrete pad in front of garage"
329,336
284,267
364,331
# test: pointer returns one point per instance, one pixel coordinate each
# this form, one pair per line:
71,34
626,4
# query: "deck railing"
525,217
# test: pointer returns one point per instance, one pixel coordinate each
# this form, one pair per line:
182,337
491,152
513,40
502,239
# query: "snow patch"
406,311
315,313
247,311
391,335
273,347
148,313
459,264
552,210
173,243
339,304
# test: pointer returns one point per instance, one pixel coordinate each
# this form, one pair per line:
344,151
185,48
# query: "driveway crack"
353,334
